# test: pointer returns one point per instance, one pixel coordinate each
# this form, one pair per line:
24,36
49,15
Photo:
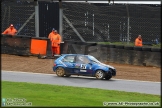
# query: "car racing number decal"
83,68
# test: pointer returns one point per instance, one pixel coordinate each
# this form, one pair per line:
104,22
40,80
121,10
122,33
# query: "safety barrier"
144,56
26,45
40,46
18,45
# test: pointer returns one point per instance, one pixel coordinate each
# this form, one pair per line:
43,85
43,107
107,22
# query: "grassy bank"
55,95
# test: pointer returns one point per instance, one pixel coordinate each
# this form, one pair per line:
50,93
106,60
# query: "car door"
84,66
69,62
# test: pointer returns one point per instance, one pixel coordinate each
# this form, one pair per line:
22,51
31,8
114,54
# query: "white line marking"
27,72
136,80
80,76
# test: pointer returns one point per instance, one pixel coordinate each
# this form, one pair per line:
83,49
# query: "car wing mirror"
90,63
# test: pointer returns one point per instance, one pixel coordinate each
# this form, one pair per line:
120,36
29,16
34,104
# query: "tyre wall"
24,45
142,56
15,45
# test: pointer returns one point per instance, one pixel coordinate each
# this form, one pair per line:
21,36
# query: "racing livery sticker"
83,66
90,67
76,71
77,66
62,63
83,70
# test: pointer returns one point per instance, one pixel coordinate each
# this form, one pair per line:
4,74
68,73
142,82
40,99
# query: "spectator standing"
10,30
138,41
55,39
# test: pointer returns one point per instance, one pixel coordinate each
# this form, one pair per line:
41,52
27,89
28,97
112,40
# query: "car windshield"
93,59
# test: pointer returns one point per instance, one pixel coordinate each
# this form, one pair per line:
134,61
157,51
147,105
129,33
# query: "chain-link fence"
100,22
97,22
19,13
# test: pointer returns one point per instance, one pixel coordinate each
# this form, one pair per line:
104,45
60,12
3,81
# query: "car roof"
75,54
71,54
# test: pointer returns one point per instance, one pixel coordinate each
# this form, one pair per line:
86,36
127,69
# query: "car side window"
82,59
68,58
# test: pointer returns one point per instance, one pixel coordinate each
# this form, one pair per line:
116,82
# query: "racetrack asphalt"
79,81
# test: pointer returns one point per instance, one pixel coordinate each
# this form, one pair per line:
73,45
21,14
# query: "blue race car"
84,65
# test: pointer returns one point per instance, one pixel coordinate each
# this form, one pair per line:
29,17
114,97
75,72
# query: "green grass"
129,44
56,95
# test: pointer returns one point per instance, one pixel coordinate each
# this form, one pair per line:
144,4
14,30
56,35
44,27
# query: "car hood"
107,65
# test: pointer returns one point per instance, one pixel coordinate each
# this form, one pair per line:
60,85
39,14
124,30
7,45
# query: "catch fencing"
103,22
19,13
89,22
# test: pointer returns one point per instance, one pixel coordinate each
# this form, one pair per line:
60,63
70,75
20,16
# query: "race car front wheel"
60,72
100,74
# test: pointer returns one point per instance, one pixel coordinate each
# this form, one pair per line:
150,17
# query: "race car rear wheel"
60,72
100,74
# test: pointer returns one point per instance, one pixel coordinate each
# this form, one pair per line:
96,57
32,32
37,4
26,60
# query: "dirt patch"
33,64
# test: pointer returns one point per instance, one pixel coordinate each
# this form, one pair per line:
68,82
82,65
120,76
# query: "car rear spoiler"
49,57
56,56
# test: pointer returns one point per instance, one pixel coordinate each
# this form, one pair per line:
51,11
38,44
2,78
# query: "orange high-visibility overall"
138,42
55,42
10,31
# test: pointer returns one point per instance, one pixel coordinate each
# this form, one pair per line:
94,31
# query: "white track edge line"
81,76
